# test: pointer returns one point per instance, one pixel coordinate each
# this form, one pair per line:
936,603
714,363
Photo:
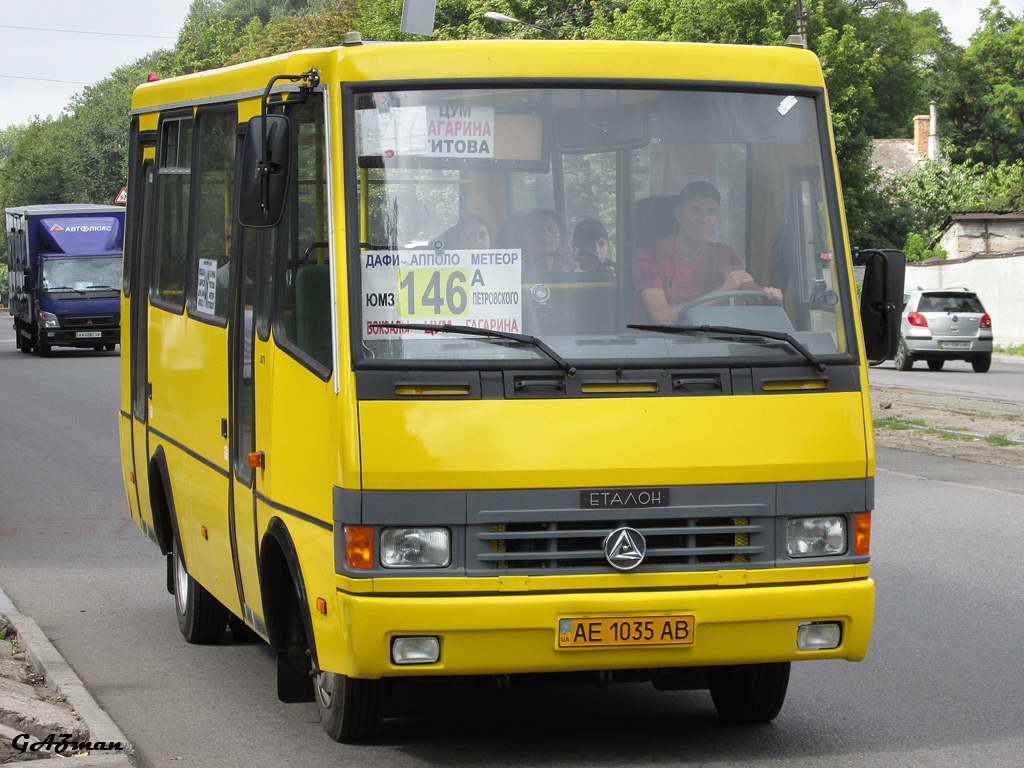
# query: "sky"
40,70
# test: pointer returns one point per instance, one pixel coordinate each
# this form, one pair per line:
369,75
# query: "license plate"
606,632
956,345
89,334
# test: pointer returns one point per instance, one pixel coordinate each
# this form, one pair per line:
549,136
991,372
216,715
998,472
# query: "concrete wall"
970,233
998,279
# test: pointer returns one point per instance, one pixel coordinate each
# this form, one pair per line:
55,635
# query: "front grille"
689,542
89,321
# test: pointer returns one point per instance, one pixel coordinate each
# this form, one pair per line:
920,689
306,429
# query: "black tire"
935,364
25,343
749,693
981,363
351,710
903,359
240,631
201,617
109,347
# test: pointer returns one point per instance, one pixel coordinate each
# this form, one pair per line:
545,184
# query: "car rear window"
950,302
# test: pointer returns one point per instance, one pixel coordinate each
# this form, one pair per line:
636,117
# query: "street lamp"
501,17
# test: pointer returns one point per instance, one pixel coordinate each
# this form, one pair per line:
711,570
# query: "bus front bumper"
518,632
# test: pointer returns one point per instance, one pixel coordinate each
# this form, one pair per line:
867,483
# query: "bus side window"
210,263
302,313
174,175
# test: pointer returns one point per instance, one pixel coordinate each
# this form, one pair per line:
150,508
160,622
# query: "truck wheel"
749,693
350,709
25,342
903,360
201,617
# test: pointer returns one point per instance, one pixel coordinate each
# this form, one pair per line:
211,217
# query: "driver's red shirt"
659,265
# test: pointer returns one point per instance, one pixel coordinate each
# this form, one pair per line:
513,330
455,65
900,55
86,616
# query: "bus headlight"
415,548
816,536
48,320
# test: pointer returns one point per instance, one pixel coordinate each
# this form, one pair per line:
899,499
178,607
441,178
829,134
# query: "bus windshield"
640,227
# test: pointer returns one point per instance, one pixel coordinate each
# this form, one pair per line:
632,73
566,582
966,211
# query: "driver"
679,268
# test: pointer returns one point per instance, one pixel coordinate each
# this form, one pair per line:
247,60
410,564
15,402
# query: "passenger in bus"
546,245
471,232
590,246
679,268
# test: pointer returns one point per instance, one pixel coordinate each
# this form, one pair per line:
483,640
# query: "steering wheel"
722,296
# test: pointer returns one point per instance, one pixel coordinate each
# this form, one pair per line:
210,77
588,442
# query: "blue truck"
64,273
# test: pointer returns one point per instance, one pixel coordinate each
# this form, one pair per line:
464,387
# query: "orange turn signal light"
321,606
359,547
256,459
862,533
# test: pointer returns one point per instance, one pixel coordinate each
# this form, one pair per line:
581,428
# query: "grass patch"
891,422
1000,440
1010,349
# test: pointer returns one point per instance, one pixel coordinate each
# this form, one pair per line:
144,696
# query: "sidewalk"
44,707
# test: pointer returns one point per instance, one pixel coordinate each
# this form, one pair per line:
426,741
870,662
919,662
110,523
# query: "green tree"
38,170
982,95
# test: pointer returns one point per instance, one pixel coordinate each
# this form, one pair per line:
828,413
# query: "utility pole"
801,22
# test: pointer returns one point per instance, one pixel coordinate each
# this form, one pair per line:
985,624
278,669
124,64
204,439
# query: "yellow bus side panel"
612,442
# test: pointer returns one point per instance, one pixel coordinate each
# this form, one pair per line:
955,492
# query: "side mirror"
263,180
881,302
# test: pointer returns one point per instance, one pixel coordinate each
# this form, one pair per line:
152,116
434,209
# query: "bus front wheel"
749,693
350,709
201,617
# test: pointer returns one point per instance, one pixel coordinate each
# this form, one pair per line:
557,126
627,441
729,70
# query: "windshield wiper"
54,289
819,366
468,330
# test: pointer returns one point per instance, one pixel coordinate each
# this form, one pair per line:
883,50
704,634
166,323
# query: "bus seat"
313,312
653,219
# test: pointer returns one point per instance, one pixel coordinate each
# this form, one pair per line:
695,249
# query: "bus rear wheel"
201,617
351,710
749,693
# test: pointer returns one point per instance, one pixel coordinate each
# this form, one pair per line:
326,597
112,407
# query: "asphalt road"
1003,381
942,684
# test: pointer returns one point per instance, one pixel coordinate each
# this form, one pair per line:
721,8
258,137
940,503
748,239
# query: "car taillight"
986,321
916,318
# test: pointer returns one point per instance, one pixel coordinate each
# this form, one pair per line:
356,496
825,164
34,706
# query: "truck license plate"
606,631
89,334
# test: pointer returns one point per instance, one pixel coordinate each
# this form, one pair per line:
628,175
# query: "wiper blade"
813,359
57,288
468,330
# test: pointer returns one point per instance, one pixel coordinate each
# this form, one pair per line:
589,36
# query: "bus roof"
462,60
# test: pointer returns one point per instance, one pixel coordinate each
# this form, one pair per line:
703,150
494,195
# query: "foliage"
982,94
937,188
915,250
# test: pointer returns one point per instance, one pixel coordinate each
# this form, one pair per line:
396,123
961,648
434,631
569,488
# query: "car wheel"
903,360
350,709
981,363
201,617
749,693
935,364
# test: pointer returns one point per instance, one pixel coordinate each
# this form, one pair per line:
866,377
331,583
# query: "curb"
61,678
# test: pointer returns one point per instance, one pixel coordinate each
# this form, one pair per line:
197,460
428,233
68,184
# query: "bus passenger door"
244,532
138,346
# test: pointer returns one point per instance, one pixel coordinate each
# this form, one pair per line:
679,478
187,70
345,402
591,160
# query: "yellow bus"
486,359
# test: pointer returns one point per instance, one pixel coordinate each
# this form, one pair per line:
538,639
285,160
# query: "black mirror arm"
265,167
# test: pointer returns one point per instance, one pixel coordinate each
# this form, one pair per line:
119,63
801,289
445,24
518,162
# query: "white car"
941,324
